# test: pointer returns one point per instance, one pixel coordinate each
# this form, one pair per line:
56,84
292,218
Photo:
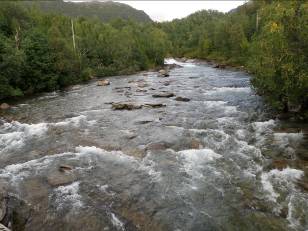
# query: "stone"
222,66
104,82
163,73
3,198
125,106
163,95
303,185
141,90
195,144
183,99
64,168
4,228
76,87
58,178
157,146
4,106
154,105
142,85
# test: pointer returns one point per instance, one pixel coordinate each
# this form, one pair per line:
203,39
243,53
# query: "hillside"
105,11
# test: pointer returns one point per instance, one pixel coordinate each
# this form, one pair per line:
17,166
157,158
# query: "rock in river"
3,199
57,178
163,95
4,106
126,106
163,73
104,82
183,99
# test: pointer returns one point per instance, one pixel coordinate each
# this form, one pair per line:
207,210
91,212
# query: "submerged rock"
163,95
58,178
4,106
126,106
104,82
183,99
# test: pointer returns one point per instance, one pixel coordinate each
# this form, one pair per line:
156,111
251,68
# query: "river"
215,159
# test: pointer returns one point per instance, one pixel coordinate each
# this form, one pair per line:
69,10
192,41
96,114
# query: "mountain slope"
105,11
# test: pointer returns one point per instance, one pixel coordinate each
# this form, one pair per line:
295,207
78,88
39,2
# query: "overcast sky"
168,10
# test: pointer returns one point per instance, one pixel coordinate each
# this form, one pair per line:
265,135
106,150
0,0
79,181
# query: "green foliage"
270,38
37,52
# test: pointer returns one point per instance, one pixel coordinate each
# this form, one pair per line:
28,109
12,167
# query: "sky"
169,10
162,10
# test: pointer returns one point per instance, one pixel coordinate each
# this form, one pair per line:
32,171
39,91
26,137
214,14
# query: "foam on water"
68,194
15,134
116,222
195,159
281,180
182,64
284,139
228,90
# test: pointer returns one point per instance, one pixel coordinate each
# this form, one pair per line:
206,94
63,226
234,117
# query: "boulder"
58,178
163,73
104,82
126,106
183,99
4,106
163,95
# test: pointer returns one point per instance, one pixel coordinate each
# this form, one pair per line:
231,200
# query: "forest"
269,38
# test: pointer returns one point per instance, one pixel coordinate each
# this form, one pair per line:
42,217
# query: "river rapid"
220,161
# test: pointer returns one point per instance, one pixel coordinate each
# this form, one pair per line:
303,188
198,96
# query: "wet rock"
183,99
58,178
279,164
129,134
4,106
143,121
221,66
173,65
3,198
4,228
196,144
142,85
126,106
155,105
64,168
303,185
19,213
76,87
163,73
157,146
163,95
141,90
104,82
135,152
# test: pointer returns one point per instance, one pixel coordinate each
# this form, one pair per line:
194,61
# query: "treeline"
269,38
39,53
